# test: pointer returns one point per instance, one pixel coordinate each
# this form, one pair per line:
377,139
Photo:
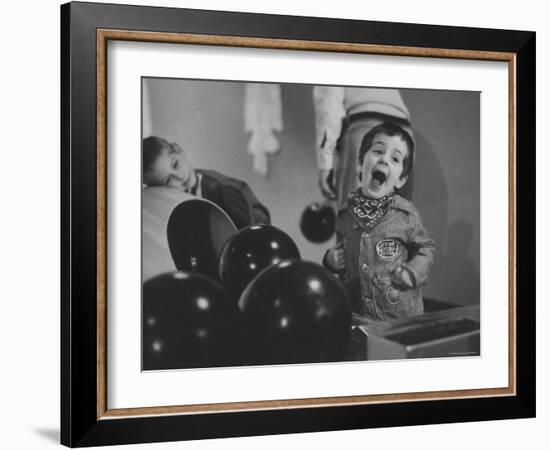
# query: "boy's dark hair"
389,129
152,148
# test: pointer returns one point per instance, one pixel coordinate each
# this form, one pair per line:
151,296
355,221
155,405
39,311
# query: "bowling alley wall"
207,119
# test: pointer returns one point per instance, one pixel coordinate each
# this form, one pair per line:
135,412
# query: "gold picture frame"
85,35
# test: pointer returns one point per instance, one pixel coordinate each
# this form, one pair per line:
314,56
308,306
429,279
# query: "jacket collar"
402,204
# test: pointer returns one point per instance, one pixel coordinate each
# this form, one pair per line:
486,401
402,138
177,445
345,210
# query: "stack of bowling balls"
267,306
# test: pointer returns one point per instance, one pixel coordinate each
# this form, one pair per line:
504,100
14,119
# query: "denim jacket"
371,256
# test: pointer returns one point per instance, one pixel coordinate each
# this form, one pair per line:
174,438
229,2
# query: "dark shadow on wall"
456,273
429,192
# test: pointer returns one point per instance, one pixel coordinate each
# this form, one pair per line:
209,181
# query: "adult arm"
328,103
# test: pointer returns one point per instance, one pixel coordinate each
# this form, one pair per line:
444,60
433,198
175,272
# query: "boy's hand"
402,278
335,257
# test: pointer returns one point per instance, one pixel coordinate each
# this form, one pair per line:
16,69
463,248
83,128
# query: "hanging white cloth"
146,117
263,117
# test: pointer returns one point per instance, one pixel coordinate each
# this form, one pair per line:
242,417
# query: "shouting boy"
383,251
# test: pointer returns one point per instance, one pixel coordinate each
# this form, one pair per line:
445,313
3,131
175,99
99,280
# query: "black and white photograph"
279,220
287,223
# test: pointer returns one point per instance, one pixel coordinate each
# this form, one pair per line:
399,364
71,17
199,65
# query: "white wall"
29,291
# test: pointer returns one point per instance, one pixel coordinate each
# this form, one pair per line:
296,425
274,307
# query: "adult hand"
326,183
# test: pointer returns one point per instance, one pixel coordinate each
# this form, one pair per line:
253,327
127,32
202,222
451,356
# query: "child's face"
383,165
172,168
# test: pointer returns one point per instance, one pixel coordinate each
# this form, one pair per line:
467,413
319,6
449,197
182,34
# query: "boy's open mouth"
378,178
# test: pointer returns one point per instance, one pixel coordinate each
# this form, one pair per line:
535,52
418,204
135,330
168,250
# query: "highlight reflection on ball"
188,321
318,222
296,312
251,250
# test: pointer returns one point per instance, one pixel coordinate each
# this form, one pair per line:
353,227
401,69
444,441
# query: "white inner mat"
129,387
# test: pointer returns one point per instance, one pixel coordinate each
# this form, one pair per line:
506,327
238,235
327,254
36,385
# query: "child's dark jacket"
372,255
235,197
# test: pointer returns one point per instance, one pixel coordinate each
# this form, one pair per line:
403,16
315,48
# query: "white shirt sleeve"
328,104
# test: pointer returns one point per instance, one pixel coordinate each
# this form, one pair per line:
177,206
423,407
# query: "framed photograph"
278,224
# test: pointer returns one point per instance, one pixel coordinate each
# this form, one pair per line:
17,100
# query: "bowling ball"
318,222
188,321
190,241
295,312
249,251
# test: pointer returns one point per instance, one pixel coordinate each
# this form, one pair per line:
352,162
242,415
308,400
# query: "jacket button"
364,268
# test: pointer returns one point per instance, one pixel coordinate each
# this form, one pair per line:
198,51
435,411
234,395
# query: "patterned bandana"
368,211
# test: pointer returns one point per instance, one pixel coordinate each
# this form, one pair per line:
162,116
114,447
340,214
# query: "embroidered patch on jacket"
387,248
